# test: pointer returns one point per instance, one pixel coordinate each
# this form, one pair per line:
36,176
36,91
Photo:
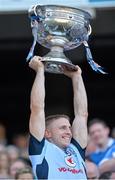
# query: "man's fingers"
36,63
70,69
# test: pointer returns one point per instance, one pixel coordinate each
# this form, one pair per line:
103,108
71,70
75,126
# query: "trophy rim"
67,7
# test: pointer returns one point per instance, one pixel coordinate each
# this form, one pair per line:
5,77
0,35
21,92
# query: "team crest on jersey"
70,161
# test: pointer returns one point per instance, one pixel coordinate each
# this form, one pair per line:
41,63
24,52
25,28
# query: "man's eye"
63,127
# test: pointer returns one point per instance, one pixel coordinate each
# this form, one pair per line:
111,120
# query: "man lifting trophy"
57,148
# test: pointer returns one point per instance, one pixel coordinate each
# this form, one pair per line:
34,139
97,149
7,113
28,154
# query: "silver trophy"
60,29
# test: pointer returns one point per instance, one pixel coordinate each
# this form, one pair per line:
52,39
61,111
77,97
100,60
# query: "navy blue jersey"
51,162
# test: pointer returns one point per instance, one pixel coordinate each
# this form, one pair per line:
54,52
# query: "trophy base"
57,67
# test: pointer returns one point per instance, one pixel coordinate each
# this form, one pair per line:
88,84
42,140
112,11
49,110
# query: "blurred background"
16,78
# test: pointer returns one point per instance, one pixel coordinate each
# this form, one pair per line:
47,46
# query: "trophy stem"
57,49
56,60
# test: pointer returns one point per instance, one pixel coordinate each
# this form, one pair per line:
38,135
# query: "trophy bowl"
59,28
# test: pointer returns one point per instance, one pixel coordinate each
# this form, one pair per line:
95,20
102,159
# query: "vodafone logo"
69,161
70,170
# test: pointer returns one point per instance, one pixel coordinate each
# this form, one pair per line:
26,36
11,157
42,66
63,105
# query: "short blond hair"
51,118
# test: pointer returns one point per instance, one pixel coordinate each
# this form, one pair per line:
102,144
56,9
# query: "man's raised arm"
37,117
79,126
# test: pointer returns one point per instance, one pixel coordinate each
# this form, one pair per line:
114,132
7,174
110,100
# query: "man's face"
99,133
59,132
15,167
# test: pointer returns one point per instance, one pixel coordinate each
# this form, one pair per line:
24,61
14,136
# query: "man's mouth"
66,138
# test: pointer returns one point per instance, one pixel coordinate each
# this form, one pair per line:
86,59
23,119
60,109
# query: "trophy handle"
32,11
89,30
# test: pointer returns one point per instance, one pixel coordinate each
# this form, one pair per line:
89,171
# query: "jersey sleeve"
36,150
80,149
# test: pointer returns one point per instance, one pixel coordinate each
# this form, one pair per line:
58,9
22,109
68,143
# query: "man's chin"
66,144
98,143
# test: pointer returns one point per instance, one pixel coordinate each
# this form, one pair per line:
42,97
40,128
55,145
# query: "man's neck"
104,144
51,141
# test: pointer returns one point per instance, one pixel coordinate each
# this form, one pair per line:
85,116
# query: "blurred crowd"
100,153
14,162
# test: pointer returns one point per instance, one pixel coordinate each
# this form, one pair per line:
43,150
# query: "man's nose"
68,131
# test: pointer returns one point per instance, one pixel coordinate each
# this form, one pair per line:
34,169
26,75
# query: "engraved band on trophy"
60,28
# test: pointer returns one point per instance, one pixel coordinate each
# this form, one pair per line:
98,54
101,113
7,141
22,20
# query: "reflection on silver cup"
60,28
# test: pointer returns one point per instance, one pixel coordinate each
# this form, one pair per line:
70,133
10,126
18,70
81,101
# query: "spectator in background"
3,139
4,164
13,153
21,142
92,170
99,133
25,174
18,164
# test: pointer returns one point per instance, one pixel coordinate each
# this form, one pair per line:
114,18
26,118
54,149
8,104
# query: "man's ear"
108,130
47,134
